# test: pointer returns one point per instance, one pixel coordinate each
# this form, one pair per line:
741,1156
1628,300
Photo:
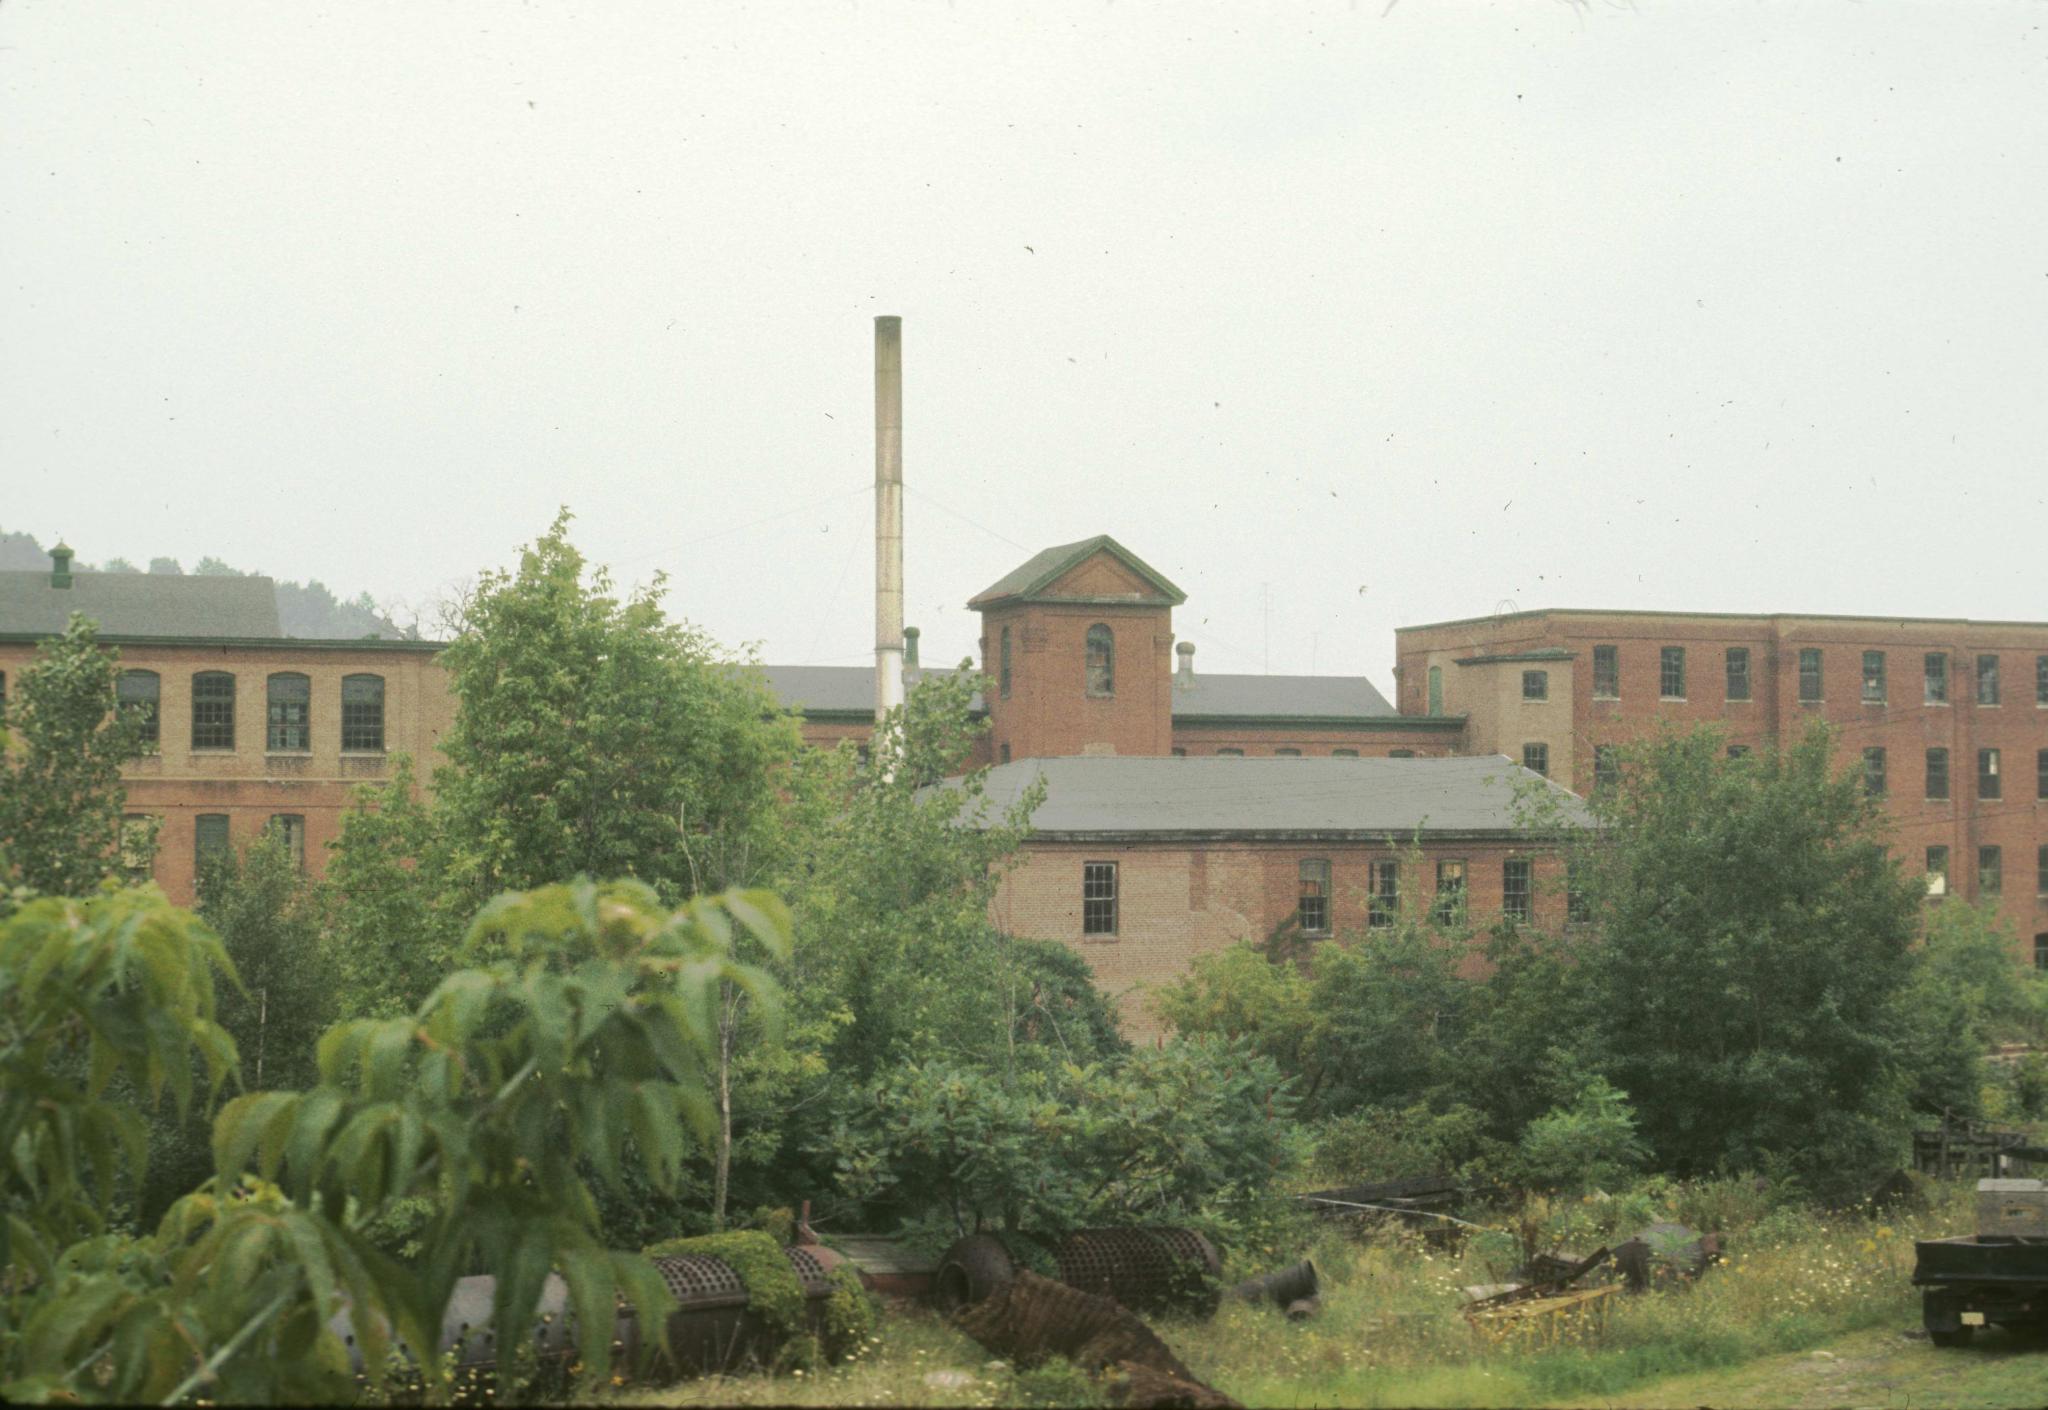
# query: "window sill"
287,753
214,749
1671,699
362,753
1099,939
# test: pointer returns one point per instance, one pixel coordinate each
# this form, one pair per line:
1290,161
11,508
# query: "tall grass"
1390,1330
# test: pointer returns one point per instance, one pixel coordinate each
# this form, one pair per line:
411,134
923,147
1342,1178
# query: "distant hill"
308,609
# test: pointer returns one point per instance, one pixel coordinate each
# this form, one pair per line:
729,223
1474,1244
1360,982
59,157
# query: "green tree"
594,735
392,921
1756,938
60,770
1967,994
574,1043
267,916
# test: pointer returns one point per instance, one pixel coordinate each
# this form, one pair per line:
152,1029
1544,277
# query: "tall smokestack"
888,514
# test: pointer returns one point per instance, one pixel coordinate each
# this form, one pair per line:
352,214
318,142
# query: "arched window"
139,693
290,727
213,710
1101,661
362,714
1004,677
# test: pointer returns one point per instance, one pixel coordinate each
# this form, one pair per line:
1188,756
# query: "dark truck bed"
1979,1280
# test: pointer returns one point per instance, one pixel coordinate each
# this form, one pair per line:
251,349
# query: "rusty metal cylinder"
1152,1269
711,1329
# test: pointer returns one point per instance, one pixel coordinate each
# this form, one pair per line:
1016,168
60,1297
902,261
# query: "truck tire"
1959,1337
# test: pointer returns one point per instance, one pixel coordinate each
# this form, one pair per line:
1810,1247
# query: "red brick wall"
1905,726
1177,901
1049,712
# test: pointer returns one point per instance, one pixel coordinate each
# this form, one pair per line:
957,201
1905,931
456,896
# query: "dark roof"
1363,799
1028,580
1282,696
831,690
140,605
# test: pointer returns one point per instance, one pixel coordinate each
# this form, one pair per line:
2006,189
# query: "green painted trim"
1365,723
301,643
1547,653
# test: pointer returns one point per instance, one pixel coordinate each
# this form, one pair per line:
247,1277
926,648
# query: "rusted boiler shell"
1145,1269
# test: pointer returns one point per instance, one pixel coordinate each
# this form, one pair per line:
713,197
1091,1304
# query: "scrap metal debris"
1030,1319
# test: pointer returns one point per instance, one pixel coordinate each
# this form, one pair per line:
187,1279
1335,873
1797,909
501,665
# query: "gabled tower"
1077,645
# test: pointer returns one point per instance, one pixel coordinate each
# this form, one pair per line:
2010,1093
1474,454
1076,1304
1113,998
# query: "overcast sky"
1341,319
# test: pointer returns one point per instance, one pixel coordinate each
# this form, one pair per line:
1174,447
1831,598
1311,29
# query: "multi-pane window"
1003,668
1989,784
2041,952
1006,751
1738,673
2041,774
1987,680
1383,894
1535,685
1287,753
1937,871
290,829
1873,678
1514,888
1990,871
1607,673
1738,751
1343,753
1098,898
1606,767
1450,892
1313,907
213,710
1578,907
209,839
1231,753
1436,690
139,694
2041,680
1937,774
1101,661
138,846
1400,753
362,713
1873,771
290,714
1934,667
2041,871
1809,673
1536,759
1671,673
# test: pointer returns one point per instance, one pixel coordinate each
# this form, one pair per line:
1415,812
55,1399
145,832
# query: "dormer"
1077,644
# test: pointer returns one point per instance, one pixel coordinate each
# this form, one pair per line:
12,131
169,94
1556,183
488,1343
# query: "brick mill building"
1184,810
249,728
1946,718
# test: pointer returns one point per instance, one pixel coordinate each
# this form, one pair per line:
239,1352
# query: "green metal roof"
140,605
1028,581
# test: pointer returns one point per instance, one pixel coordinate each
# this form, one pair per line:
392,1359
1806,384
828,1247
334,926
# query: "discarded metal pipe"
1281,1287
1142,1268
712,1328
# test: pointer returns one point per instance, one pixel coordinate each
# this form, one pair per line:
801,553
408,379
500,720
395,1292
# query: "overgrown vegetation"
1750,991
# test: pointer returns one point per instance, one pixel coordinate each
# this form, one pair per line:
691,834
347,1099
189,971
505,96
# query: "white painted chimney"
888,514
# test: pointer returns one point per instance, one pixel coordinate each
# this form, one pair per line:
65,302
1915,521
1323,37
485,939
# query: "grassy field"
1390,1332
